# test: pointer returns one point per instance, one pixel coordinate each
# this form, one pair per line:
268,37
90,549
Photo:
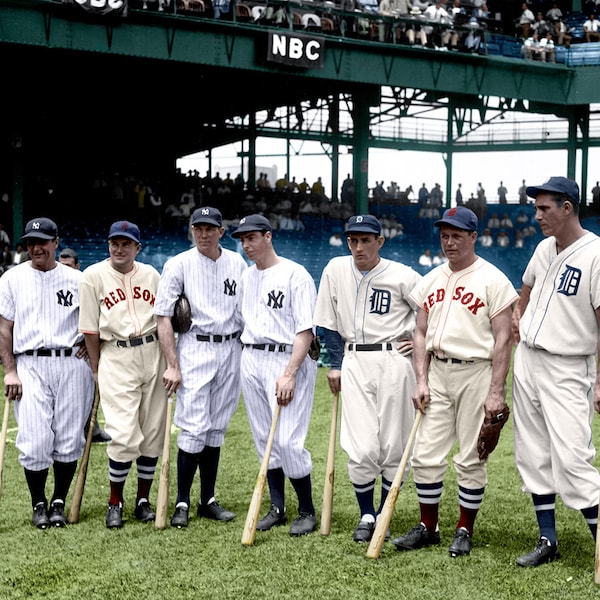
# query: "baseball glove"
182,315
490,433
314,350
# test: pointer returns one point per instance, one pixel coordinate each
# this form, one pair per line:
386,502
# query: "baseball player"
69,257
43,373
278,298
462,348
118,321
555,382
203,365
363,306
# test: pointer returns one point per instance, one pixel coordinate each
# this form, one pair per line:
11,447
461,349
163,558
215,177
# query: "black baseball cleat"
364,531
143,512
180,516
303,524
56,514
101,437
544,552
417,537
214,511
114,516
274,518
39,518
461,544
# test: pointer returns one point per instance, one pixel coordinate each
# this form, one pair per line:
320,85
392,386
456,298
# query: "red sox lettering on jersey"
118,295
468,299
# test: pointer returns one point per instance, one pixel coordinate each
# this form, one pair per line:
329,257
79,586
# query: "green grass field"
208,561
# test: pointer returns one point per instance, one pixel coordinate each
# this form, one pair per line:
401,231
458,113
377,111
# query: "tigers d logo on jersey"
569,281
380,301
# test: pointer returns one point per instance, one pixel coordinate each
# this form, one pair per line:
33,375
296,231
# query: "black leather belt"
50,352
370,347
138,341
456,361
268,347
217,338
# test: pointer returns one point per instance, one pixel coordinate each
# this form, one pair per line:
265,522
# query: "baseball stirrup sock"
591,518
469,502
276,481
303,487
36,482
385,490
365,494
146,467
544,506
209,465
186,471
63,476
117,474
429,495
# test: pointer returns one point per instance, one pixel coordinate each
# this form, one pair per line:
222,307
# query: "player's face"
255,244
122,252
42,253
458,246
69,261
207,239
549,214
365,249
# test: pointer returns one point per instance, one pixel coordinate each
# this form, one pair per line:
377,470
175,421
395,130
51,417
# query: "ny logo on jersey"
230,287
275,299
64,298
569,281
380,301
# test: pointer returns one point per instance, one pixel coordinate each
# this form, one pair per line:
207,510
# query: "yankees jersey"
565,292
366,309
118,305
43,305
277,303
211,287
460,306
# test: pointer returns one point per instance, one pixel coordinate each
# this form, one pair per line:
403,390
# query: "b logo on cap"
452,212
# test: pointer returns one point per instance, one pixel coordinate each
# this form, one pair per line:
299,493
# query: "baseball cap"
560,185
363,224
69,253
252,223
207,215
460,217
41,228
125,229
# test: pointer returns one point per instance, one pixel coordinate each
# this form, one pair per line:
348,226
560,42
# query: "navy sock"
591,518
209,464
36,481
276,481
385,490
303,487
544,506
365,497
63,476
186,471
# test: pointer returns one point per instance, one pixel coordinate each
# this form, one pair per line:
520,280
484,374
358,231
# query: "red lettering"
112,296
430,300
476,306
136,292
458,293
108,303
441,294
121,294
467,298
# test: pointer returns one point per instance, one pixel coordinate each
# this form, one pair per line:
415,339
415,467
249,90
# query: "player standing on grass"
462,348
43,373
555,381
368,322
278,299
117,318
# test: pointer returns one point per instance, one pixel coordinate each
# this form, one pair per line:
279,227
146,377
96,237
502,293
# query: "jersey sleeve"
326,304
89,305
170,286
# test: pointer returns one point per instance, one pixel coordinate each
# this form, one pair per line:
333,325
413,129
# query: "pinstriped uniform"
57,390
210,370
377,411
277,304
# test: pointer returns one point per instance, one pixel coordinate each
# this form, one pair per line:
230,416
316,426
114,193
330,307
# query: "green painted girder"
226,45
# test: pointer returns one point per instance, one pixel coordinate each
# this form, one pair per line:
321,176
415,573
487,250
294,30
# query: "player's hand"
285,387
171,380
421,397
514,325
494,403
405,346
82,351
334,379
13,389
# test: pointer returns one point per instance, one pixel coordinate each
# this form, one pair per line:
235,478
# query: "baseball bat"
73,516
249,532
162,500
3,438
327,507
385,517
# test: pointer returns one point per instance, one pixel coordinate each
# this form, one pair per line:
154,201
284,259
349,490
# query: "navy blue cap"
460,217
363,224
125,229
558,185
252,223
207,215
41,228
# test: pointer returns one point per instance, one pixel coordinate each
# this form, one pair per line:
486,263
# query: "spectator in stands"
596,197
502,191
317,189
485,239
540,26
390,227
523,198
436,198
591,29
347,194
379,192
293,186
439,37
525,21
439,259
414,29
519,242
506,222
6,258
425,259
20,255
564,34
473,38
221,8
459,197
532,49
502,241
553,16
547,46
493,222
423,196
304,186
522,217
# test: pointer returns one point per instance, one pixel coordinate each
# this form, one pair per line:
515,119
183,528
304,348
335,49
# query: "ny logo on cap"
359,219
205,211
35,225
242,221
